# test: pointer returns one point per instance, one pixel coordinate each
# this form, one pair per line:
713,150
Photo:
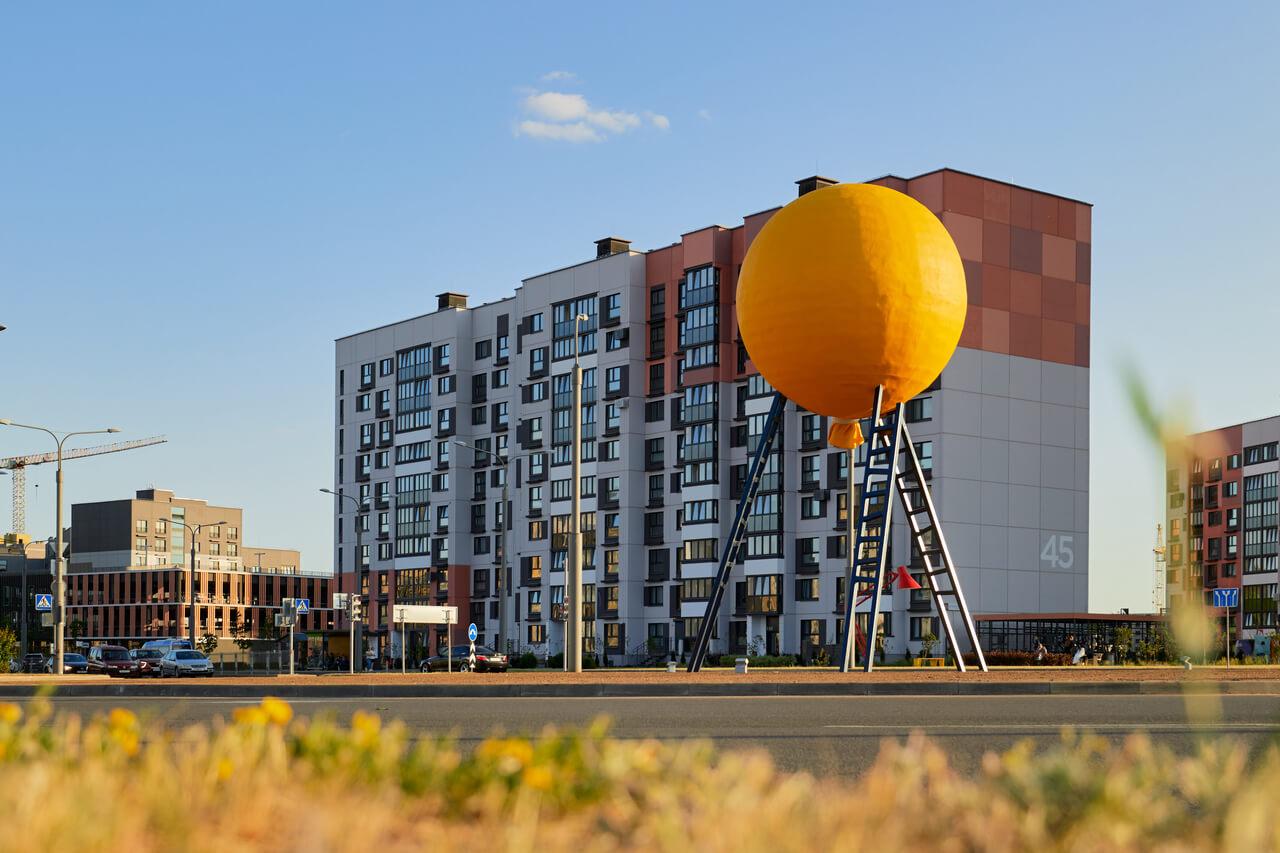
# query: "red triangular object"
904,579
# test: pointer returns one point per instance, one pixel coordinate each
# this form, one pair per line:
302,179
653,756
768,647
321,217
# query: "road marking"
1010,728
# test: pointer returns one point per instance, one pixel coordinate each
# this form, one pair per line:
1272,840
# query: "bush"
555,661
1007,658
524,660
756,660
271,783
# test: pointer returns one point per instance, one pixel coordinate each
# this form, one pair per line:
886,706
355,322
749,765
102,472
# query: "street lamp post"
59,576
357,637
573,585
504,565
194,532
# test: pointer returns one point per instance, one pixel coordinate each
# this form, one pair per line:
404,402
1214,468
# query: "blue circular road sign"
472,633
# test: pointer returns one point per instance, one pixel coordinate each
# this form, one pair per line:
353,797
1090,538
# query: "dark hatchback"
113,661
487,660
75,664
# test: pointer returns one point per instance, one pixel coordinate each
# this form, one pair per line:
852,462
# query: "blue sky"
195,200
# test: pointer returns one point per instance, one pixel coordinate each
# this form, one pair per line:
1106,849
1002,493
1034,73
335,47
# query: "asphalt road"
824,735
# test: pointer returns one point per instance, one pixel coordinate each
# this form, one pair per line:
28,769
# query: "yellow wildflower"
9,713
278,711
253,715
224,769
122,718
538,778
366,724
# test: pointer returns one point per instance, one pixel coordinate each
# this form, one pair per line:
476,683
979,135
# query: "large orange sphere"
849,287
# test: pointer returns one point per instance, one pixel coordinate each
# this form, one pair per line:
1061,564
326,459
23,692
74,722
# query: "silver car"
185,662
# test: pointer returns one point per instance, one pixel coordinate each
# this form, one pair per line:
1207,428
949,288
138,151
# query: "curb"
674,690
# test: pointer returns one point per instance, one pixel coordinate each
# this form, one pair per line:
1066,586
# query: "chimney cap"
450,299
606,246
814,182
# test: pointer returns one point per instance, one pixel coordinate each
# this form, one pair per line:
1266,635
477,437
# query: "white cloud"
573,132
614,122
554,76
569,117
704,114
556,106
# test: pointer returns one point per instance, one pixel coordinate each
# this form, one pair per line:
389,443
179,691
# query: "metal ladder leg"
738,532
869,536
936,555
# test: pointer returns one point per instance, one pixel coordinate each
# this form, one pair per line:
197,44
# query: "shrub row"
266,782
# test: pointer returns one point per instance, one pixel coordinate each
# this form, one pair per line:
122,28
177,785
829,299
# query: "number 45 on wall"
1057,551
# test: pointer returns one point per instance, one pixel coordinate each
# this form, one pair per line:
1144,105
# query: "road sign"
44,602
340,600
303,605
424,614
471,632
1227,597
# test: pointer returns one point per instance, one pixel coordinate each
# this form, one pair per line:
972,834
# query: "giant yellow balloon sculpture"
846,288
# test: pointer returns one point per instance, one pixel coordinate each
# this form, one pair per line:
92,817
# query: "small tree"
8,646
1124,642
207,644
927,642
76,628
241,636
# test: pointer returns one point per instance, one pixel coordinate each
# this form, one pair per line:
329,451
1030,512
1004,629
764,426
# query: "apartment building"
672,408
129,572
1222,521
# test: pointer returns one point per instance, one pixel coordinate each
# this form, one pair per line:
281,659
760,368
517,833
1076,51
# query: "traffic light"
355,612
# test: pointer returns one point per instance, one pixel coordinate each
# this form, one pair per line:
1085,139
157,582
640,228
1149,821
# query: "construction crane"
1158,591
18,465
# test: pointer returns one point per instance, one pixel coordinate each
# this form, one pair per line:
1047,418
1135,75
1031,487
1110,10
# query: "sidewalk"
715,682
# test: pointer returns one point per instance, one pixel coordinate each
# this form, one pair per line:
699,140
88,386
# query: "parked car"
32,662
167,644
487,660
148,660
113,661
185,662
72,663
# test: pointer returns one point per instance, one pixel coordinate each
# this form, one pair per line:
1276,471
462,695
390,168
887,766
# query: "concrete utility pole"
60,570
357,634
573,585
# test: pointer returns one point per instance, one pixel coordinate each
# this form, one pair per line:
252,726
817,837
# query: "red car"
113,661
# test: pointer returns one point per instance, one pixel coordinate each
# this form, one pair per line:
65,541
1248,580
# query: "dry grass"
265,782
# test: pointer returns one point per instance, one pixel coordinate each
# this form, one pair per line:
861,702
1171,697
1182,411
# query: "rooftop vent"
612,246
449,299
814,182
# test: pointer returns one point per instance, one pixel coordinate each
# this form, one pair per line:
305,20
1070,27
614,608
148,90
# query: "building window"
537,633
653,596
613,307
922,625
919,409
807,589
484,349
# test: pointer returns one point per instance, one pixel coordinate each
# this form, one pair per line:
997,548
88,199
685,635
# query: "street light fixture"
59,577
360,574
194,530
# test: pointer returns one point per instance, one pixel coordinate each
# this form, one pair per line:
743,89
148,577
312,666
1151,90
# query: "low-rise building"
25,573
130,573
